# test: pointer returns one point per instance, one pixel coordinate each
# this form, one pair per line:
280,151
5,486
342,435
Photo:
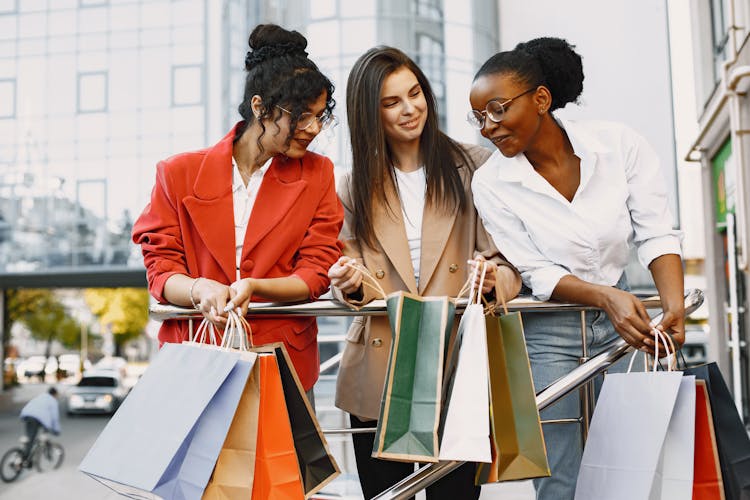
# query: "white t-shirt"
244,201
412,187
621,199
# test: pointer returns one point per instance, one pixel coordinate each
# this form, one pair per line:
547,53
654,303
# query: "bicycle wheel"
11,464
49,456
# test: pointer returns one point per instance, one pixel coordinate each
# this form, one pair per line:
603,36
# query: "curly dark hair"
279,71
547,61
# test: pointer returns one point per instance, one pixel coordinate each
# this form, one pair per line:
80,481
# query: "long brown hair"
372,165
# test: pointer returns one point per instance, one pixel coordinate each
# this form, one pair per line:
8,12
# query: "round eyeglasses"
495,109
304,120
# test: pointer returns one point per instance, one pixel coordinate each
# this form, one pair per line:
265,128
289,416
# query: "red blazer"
188,228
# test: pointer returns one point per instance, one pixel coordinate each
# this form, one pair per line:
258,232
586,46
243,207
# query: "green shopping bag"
517,442
411,405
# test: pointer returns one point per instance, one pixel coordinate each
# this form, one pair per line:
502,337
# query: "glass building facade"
93,93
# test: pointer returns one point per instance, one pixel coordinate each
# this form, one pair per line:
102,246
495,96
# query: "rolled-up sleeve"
321,247
511,238
157,231
647,202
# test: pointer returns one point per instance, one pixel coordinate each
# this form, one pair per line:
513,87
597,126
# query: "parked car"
36,366
98,391
71,364
114,363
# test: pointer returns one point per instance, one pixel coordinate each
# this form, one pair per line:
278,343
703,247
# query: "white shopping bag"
466,430
674,475
625,445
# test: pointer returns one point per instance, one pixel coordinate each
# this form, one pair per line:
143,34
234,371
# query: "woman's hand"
241,291
673,324
490,274
211,297
630,318
344,277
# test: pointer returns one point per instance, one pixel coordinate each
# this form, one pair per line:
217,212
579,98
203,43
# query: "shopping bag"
674,472
165,437
316,463
277,472
465,431
410,408
626,438
731,436
517,442
707,483
233,474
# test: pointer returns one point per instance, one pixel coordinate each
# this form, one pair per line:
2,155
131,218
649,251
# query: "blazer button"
380,274
247,266
376,342
453,268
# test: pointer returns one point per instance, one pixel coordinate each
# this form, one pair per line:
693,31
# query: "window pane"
7,98
92,92
186,85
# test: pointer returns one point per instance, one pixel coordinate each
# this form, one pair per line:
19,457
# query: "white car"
98,391
71,364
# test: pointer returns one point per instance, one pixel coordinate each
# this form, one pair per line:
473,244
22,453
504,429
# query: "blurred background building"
93,93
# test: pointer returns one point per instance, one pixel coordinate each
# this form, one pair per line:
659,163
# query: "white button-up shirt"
244,200
621,200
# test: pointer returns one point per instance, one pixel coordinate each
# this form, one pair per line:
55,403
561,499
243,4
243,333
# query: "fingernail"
238,311
228,307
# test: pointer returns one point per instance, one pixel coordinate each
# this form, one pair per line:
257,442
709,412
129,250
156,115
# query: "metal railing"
426,475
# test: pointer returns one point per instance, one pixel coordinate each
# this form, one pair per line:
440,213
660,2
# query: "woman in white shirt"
564,201
409,219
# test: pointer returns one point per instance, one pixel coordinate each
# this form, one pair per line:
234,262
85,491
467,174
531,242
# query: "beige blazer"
448,241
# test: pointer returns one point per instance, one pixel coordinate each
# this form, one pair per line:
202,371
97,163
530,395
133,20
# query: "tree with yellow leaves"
124,311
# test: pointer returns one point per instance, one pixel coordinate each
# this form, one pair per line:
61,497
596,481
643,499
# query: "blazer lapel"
278,192
436,229
211,208
388,225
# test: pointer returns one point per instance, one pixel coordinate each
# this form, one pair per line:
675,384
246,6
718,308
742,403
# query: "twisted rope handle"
366,274
206,328
237,327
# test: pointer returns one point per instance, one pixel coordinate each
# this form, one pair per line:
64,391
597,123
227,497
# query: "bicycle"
45,455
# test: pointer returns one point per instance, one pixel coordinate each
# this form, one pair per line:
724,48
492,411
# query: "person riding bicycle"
41,411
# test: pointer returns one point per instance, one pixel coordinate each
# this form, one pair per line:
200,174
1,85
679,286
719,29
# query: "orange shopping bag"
277,472
707,483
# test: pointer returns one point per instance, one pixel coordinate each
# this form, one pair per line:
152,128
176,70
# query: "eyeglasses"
494,109
304,120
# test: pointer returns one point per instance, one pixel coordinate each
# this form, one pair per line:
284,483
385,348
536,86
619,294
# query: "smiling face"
520,123
275,139
403,108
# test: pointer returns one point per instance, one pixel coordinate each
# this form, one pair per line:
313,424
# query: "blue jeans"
554,344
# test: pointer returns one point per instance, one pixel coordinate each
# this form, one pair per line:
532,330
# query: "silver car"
99,391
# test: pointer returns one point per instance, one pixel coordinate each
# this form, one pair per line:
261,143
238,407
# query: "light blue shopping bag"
164,440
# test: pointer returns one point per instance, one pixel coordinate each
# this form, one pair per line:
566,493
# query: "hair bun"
269,41
562,67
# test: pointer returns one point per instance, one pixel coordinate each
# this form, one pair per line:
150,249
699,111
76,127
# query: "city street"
79,433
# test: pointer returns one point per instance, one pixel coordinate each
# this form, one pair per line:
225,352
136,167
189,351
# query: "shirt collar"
585,145
237,182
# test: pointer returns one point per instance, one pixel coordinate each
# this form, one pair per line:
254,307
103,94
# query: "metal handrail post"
429,474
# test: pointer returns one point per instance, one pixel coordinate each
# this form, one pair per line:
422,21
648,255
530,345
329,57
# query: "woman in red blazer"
256,216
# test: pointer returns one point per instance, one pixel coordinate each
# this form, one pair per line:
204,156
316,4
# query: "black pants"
32,427
376,476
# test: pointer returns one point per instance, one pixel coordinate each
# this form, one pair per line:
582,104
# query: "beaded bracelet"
192,300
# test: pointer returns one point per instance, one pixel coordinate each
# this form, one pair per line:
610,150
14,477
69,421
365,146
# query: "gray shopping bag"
627,435
165,438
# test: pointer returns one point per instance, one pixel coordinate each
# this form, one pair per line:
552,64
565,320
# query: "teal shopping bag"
411,405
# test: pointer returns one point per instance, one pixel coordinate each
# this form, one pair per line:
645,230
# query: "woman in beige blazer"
410,220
